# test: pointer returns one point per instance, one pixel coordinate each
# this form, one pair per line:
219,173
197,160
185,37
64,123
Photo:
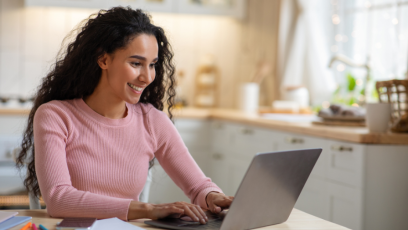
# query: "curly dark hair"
76,72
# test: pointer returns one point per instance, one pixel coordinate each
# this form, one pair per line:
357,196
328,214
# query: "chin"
132,100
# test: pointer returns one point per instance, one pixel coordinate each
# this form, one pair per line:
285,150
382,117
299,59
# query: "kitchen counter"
297,220
351,134
14,111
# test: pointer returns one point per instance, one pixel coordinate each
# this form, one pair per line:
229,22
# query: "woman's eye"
135,63
152,65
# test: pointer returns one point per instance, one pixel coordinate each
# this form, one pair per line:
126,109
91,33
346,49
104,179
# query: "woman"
97,121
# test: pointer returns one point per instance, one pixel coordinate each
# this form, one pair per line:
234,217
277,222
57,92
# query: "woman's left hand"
218,201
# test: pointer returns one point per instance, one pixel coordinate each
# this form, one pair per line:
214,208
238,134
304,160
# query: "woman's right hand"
139,210
177,210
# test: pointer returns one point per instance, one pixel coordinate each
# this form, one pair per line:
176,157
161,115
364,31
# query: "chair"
144,195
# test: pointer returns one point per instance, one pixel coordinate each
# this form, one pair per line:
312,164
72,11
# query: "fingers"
195,212
213,207
218,201
226,201
178,209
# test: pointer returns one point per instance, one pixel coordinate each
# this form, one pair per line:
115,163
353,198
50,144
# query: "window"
376,31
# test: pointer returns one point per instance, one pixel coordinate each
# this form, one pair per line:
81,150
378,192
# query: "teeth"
135,87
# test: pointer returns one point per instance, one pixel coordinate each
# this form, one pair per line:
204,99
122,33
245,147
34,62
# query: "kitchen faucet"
351,63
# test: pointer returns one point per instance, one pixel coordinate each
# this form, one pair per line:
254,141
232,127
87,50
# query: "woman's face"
130,70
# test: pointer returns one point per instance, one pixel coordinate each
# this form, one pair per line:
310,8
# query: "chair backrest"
34,201
144,195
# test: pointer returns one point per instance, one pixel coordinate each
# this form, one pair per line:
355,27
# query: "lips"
136,88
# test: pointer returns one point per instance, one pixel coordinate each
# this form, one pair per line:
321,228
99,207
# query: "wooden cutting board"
340,123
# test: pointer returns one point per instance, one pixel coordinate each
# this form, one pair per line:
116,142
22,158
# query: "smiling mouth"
138,89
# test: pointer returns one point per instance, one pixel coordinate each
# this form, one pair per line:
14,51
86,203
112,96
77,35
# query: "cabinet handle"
218,156
341,148
294,140
247,131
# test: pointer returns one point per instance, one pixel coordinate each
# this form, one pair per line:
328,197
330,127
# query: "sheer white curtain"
303,51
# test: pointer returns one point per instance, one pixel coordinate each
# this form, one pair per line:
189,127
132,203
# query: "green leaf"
352,101
351,82
362,92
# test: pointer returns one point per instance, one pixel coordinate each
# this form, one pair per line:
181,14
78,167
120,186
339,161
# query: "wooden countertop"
298,220
351,134
14,111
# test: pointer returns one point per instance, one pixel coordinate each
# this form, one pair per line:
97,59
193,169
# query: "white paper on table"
114,223
6,215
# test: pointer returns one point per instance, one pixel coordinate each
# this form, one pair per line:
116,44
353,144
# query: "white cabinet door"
219,151
236,172
163,189
346,206
200,156
195,134
68,3
234,8
289,141
247,141
346,163
314,198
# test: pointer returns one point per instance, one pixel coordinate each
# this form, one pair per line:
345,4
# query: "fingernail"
203,220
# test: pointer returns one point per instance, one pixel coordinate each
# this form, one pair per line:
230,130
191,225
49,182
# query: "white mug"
378,117
249,97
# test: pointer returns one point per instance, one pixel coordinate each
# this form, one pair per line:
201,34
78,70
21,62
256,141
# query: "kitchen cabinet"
234,8
195,134
360,186
11,128
219,153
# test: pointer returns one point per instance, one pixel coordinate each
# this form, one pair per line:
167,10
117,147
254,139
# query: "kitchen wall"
31,37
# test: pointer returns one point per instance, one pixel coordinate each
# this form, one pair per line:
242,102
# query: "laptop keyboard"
212,224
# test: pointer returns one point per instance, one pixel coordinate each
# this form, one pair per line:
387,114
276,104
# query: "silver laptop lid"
270,188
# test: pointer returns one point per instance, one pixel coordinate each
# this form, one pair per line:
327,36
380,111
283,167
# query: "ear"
103,61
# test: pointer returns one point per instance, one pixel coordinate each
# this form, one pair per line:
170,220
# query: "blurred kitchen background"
263,56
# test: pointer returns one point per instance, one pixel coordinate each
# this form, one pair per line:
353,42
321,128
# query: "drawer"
220,138
193,132
248,141
290,141
346,163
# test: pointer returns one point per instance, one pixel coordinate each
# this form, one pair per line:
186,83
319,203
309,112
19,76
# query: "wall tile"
10,80
10,25
32,72
31,37
33,28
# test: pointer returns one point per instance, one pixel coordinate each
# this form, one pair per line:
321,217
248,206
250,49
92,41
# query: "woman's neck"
106,104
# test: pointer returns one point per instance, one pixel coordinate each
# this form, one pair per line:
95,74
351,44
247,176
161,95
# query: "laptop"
266,195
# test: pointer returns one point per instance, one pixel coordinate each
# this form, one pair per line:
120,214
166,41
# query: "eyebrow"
142,58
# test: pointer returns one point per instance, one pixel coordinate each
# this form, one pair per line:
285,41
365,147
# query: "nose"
146,75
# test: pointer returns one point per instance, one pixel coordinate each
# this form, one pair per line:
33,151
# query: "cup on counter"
378,116
249,97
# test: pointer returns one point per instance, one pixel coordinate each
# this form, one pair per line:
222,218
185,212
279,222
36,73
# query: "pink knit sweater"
92,166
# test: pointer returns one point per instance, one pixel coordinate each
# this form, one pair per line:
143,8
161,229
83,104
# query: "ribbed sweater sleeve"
51,133
176,160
